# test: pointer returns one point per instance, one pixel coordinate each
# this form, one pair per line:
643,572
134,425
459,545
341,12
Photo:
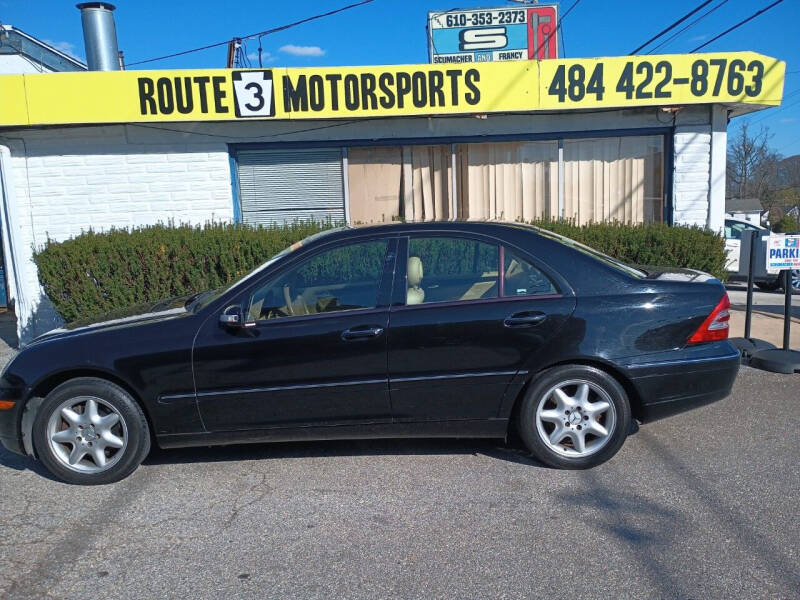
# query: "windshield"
605,258
205,298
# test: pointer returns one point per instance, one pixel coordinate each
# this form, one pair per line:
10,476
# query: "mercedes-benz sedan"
405,330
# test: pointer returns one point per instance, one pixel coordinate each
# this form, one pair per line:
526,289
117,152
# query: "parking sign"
783,252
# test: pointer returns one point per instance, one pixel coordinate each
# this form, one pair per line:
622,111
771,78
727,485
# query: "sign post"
783,255
753,247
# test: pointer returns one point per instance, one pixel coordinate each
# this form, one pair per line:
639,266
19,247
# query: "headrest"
414,271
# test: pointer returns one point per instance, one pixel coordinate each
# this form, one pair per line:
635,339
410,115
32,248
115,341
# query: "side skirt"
484,428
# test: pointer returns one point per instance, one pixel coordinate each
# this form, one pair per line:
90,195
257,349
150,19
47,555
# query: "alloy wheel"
87,434
576,418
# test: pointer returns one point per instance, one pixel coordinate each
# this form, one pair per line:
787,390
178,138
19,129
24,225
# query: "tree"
788,224
752,164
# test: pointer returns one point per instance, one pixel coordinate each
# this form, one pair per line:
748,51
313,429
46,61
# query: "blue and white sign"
783,252
492,34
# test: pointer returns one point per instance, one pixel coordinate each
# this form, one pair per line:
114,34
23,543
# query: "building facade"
626,161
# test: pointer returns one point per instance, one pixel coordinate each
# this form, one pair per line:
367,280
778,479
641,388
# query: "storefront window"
514,181
604,179
387,183
614,179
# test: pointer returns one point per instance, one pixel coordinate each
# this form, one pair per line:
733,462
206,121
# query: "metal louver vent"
282,186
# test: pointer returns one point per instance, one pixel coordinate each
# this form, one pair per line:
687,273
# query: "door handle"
361,333
524,319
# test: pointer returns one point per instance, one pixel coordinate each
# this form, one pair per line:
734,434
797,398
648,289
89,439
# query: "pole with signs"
783,254
752,245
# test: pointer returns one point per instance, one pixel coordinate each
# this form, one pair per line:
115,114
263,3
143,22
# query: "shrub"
788,224
98,273
655,244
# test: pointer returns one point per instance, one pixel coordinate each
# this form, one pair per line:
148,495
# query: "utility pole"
233,46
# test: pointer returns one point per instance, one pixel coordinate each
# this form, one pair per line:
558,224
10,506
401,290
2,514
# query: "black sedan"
405,330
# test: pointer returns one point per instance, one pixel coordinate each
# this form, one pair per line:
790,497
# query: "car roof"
399,228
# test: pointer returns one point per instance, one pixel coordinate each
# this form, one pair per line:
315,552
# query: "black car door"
467,314
313,347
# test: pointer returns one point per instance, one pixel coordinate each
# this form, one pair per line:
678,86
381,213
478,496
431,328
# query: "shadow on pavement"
379,447
646,528
17,462
738,524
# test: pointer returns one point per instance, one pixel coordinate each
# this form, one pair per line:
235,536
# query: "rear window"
604,258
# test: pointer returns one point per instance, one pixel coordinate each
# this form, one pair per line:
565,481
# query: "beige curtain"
427,183
387,183
374,177
613,179
619,178
516,181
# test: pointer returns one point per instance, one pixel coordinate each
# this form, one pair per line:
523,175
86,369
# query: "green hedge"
655,244
97,273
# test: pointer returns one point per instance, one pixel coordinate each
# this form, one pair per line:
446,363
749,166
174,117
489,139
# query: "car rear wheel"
90,431
574,417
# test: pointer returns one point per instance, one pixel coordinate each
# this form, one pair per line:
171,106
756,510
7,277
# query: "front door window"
341,279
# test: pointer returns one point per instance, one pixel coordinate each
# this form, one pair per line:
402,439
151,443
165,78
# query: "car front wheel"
574,417
90,431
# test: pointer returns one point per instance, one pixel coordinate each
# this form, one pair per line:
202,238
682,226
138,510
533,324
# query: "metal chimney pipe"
99,36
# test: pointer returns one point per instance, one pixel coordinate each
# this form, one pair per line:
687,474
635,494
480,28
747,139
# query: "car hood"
169,308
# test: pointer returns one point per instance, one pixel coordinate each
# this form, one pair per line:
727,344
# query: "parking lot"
702,505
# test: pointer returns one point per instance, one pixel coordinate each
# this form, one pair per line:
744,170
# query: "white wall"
692,168
12,64
68,181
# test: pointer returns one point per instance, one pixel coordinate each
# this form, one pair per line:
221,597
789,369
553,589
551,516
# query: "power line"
255,35
689,26
772,112
739,24
558,26
675,24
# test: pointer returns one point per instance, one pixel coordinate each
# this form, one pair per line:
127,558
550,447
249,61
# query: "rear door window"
451,269
521,278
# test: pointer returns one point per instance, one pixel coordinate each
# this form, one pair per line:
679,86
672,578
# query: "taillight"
715,327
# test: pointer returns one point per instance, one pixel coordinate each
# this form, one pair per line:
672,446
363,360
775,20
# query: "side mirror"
231,317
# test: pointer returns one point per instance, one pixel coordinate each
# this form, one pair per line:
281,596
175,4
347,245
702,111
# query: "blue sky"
393,32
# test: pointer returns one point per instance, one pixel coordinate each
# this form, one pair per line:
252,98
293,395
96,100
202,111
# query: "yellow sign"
352,92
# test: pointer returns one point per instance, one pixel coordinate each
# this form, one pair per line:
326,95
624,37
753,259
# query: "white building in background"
23,53
746,209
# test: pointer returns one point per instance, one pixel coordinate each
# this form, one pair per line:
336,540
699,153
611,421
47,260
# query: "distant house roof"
17,42
743,205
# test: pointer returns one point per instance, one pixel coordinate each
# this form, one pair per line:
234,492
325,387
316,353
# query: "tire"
769,286
89,431
584,417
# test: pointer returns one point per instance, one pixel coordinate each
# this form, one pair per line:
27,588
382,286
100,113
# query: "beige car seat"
414,293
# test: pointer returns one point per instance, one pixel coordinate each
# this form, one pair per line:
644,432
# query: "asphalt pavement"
701,505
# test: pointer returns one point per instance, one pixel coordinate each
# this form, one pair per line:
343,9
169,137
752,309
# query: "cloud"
787,120
302,50
65,47
266,57
698,38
